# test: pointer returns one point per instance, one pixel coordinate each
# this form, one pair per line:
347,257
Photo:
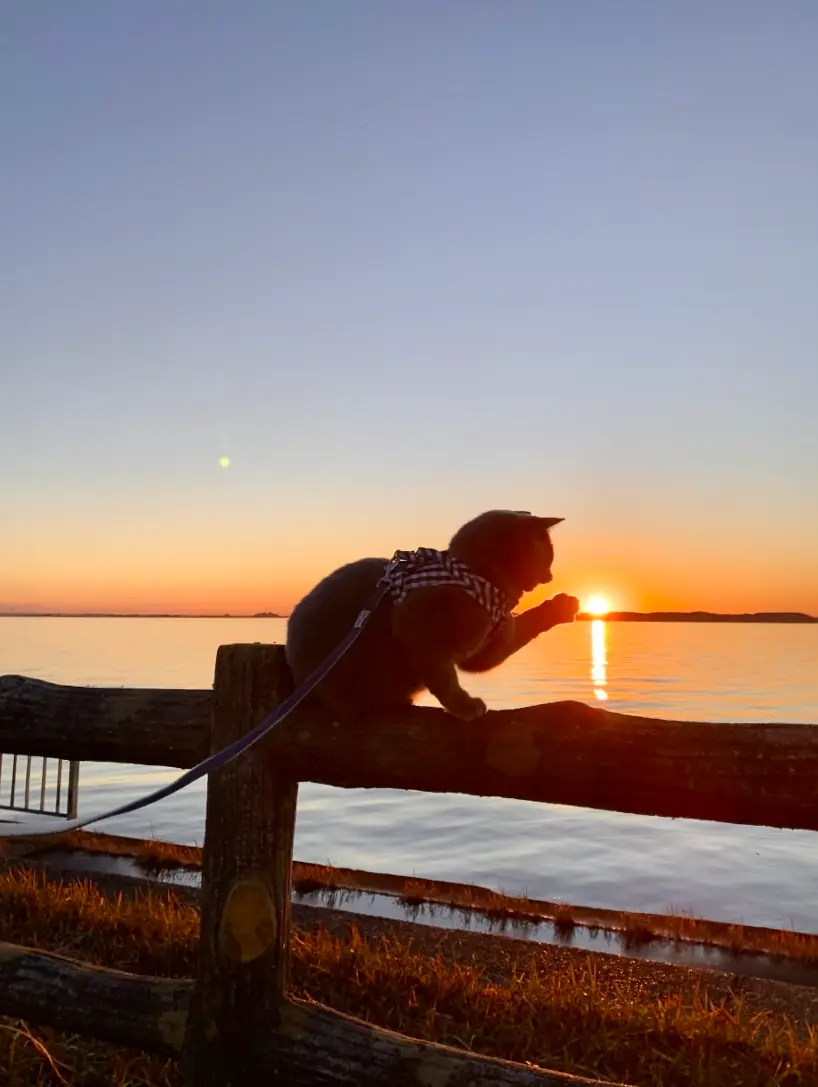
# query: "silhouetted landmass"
702,617
611,617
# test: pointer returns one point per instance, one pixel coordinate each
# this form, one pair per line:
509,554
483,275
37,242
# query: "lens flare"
597,605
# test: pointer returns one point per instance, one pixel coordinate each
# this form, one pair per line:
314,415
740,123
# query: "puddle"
678,953
380,904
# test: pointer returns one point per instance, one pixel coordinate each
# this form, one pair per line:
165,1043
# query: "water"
690,671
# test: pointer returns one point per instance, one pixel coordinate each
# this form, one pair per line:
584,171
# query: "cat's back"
322,618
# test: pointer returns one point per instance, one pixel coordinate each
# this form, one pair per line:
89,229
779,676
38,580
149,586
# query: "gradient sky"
403,262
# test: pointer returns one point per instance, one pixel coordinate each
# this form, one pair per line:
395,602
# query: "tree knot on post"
247,927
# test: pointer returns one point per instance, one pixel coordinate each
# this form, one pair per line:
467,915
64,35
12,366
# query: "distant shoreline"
701,617
611,617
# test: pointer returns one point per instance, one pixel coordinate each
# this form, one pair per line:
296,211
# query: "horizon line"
700,615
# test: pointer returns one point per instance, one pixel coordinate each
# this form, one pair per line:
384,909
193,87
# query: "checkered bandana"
426,567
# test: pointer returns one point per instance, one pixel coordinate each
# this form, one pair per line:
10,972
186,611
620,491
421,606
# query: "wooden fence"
234,1024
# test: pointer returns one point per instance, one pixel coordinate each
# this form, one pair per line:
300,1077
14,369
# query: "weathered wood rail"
235,1022
559,753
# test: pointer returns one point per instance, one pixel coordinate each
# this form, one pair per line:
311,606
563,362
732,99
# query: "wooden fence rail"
234,1023
559,753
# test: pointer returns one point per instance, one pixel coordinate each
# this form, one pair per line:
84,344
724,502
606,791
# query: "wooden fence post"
244,954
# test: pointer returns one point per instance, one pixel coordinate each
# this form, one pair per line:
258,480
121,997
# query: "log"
316,1046
572,753
559,753
103,724
311,1044
244,951
126,1009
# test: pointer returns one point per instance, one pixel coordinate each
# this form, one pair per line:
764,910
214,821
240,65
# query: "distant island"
609,617
133,615
701,617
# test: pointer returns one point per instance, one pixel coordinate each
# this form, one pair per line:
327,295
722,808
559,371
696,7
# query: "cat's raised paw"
560,609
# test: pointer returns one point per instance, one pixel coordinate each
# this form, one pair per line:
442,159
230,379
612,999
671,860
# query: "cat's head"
510,548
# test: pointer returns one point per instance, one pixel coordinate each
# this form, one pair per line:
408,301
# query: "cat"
420,633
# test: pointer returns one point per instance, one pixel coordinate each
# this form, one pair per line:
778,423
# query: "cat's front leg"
441,679
559,609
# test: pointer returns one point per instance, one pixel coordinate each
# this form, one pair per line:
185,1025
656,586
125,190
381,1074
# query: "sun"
597,605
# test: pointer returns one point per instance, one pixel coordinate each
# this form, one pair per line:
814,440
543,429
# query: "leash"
238,747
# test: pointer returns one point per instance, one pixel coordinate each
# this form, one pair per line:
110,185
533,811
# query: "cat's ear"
549,522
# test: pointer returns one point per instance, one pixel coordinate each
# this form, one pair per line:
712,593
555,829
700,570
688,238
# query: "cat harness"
427,568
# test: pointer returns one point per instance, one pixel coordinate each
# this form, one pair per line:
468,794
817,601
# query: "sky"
401,262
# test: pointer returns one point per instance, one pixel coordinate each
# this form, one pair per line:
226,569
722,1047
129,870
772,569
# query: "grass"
500,910
565,1019
633,929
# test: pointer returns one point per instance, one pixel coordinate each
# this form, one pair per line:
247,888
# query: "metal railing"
40,786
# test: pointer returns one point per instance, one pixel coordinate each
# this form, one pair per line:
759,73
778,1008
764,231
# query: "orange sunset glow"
249,563
263,355
597,604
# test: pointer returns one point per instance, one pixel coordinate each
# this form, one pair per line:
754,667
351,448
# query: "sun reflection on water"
599,659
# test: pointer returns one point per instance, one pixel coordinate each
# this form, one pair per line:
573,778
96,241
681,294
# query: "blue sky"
402,262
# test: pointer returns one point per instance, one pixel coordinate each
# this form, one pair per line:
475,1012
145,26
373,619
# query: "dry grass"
740,939
501,910
564,1019
634,929
44,1058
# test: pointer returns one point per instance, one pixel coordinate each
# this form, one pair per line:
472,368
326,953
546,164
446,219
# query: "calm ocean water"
698,672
